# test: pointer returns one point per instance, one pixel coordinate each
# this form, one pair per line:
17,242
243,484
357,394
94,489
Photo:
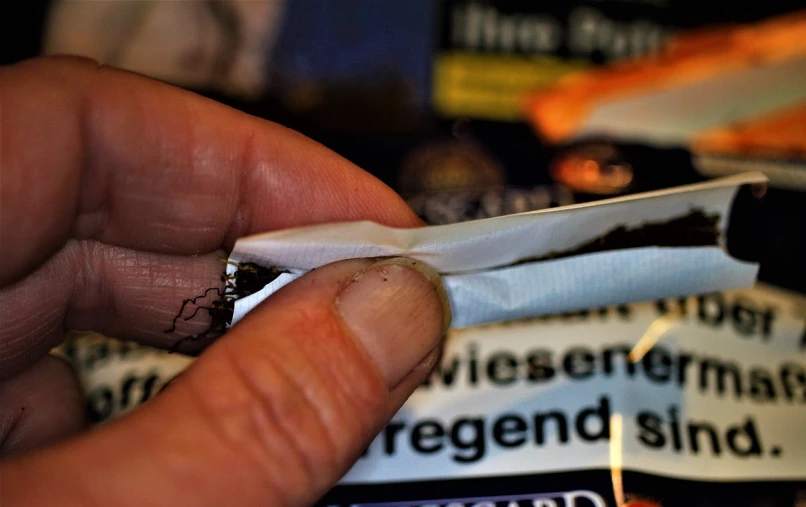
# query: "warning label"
709,387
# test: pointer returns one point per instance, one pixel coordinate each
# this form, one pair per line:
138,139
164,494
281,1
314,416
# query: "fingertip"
397,309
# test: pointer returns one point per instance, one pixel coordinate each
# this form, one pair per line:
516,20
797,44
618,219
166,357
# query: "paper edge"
737,180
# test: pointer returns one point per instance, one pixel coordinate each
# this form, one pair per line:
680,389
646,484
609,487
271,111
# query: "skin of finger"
115,291
272,414
108,155
41,406
119,161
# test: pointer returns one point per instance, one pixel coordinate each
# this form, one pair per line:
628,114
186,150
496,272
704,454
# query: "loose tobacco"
247,279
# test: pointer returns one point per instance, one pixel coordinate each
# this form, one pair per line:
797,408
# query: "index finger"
94,153
129,189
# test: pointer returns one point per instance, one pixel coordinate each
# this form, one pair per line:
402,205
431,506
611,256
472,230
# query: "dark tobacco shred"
693,229
247,279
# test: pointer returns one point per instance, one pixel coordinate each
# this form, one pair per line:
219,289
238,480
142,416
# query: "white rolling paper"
476,258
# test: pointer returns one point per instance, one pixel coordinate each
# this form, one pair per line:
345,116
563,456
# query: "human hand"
117,195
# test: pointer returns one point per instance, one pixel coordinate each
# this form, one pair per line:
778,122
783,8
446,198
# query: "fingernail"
398,310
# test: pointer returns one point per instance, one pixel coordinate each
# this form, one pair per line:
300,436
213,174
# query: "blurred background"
474,108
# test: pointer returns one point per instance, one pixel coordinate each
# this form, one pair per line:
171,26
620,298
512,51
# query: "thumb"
273,413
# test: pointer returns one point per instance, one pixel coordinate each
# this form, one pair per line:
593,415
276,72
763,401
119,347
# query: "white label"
720,393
